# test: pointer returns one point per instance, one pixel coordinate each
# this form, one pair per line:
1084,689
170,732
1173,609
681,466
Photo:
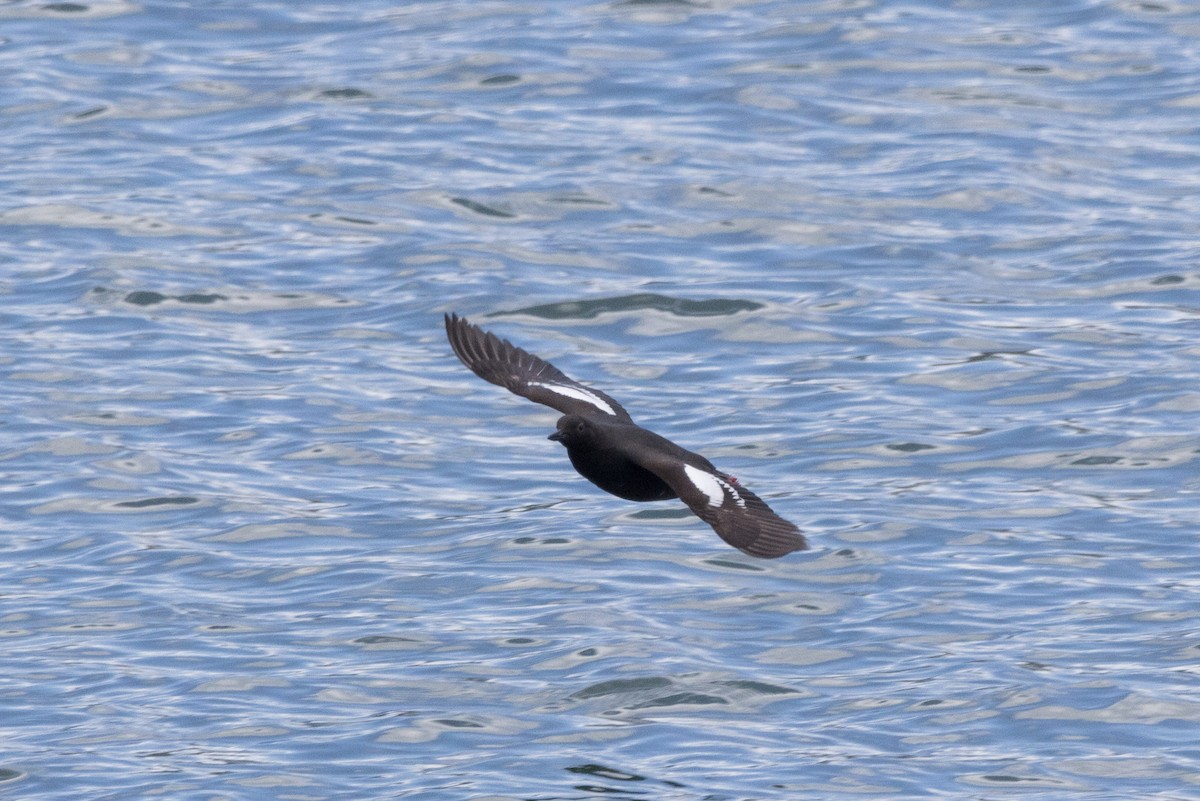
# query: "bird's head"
574,431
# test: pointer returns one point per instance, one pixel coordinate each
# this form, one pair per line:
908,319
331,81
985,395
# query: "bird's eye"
579,427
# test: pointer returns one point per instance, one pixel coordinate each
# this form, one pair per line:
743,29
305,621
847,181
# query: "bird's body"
610,469
620,457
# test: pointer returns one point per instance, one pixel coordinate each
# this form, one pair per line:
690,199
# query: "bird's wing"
520,372
739,516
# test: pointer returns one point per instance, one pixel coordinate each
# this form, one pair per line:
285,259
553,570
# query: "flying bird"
620,457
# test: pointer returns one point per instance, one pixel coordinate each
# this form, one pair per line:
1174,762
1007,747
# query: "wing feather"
740,517
502,363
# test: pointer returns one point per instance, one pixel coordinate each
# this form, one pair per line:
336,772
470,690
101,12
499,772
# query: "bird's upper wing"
739,516
520,372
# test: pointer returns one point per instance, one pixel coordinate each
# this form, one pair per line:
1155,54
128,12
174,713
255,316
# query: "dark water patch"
348,93
622,687
456,723
505,79
665,513
680,307
201,298
580,200
243,302
758,687
910,447
95,111
719,562
682,699
145,298
600,771
146,503
148,298
481,208
1092,461
541,541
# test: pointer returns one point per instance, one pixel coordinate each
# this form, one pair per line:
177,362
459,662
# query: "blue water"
923,275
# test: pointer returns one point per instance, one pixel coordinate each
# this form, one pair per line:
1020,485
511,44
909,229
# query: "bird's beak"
556,436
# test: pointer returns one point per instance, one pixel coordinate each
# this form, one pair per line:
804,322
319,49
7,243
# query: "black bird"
618,455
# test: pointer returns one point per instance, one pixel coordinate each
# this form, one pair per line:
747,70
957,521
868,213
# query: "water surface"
924,277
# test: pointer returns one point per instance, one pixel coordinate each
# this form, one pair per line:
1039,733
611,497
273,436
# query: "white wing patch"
578,394
714,487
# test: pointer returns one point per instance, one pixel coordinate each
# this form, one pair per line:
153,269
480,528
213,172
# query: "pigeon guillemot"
619,456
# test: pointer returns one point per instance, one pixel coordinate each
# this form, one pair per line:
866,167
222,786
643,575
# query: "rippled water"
922,275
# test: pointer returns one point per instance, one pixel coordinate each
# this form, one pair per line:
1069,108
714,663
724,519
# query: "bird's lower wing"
739,516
